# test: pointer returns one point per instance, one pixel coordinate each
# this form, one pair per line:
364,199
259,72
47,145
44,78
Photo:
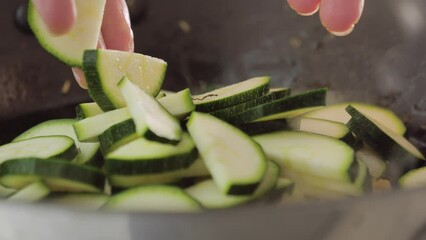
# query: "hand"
337,16
116,32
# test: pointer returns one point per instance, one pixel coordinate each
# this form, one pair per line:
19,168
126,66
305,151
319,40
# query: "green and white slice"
57,174
153,198
31,193
225,148
40,147
313,154
196,169
324,127
211,196
85,110
337,113
69,47
88,129
232,94
104,69
143,156
394,148
147,112
178,104
87,151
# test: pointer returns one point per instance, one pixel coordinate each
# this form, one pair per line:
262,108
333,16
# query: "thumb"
59,15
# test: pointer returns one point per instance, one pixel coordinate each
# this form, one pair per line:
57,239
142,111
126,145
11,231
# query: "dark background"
383,61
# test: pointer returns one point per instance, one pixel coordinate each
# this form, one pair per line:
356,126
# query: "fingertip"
116,26
304,7
79,77
339,17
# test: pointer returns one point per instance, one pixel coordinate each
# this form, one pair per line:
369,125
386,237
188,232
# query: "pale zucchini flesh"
69,48
104,69
217,142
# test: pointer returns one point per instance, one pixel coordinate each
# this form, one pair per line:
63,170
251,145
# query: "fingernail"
310,13
101,42
344,33
79,77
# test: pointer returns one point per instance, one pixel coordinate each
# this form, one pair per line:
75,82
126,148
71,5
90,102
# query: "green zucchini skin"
85,110
210,106
400,160
53,168
308,99
159,165
95,88
226,113
254,128
117,135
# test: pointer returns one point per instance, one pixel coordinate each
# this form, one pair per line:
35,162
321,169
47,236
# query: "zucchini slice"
31,193
92,201
272,95
88,151
376,165
158,198
197,169
117,136
104,69
147,112
232,94
211,196
312,98
69,47
324,127
178,104
413,179
310,153
255,128
143,156
85,110
88,129
336,112
40,147
58,175
6,192
225,148
394,148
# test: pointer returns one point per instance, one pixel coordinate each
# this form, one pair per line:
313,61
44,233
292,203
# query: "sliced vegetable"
148,113
32,193
179,104
158,198
6,192
376,165
217,142
90,128
254,128
85,110
88,151
211,196
197,169
58,175
104,69
415,178
69,47
324,127
117,136
232,94
310,153
40,147
289,113
308,99
397,150
143,156
337,113
226,113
